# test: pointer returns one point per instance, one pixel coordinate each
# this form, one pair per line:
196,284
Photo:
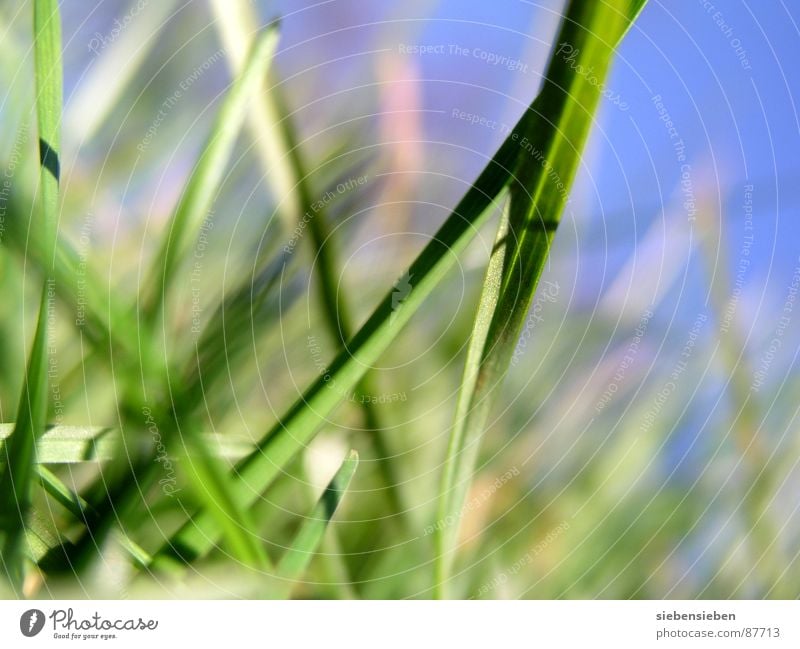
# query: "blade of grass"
18,469
224,339
113,69
76,283
237,24
47,56
296,559
218,349
80,444
211,484
273,125
336,311
40,536
20,449
299,425
565,111
490,295
113,503
69,444
199,193
80,510
333,568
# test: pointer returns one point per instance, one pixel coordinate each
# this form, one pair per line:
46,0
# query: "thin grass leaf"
237,23
40,536
18,468
302,549
217,353
82,444
62,494
69,444
76,284
211,484
113,501
461,453
284,164
296,429
116,64
20,449
201,189
79,509
565,111
49,99
333,567
335,309
224,339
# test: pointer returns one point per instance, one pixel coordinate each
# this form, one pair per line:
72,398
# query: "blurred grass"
19,465
555,128
595,506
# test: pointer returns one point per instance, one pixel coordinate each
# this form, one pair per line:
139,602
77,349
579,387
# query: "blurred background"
647,443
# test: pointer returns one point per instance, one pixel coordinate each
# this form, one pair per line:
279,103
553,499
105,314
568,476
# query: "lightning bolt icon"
32,620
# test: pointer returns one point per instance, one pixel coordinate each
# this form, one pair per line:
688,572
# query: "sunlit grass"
187,481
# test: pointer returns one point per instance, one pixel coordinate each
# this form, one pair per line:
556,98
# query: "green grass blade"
337,312
19,459
296,559
80,509
283,161
225,337
82,444
299,425
201,189
76,283
64,496
19,466
49,99
335,309
565,112
211,484
460,453
69,444
40,536
296,429
115,66
237,22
